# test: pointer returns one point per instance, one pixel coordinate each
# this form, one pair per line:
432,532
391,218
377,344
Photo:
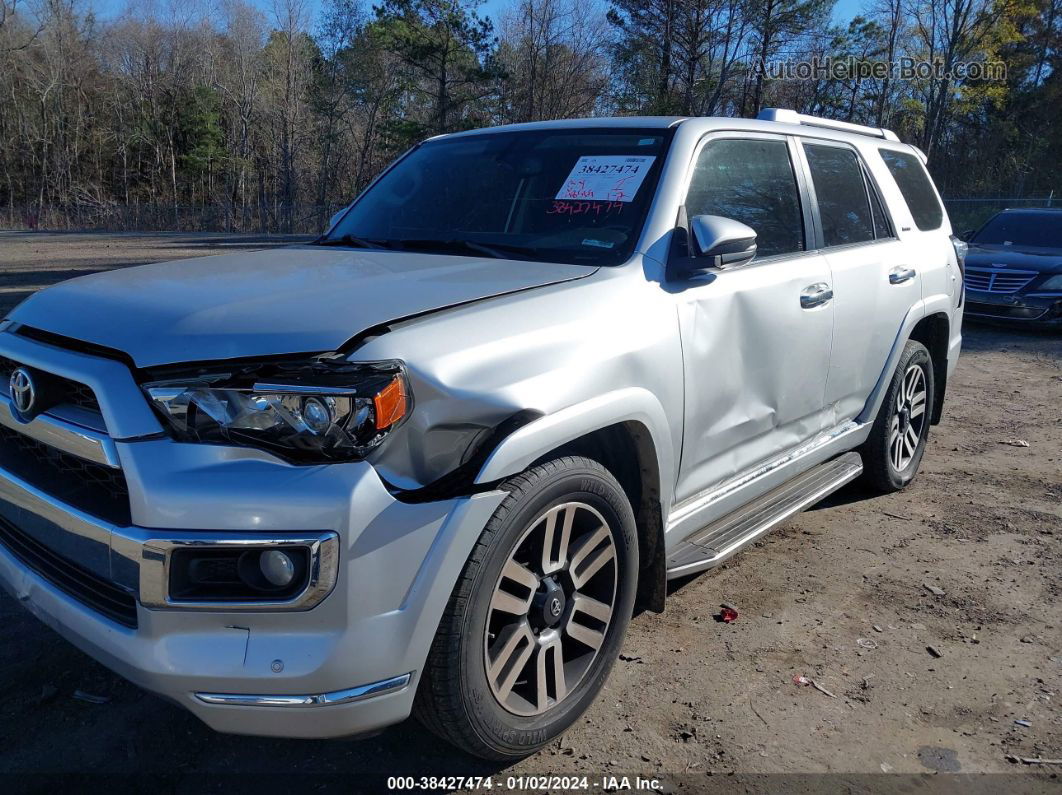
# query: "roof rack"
792,117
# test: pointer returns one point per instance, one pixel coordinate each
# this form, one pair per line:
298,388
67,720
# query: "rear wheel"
893,451
538,615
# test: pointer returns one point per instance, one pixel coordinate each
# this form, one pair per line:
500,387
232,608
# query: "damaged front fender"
499,384
537,439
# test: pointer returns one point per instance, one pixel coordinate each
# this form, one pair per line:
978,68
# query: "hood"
303,299
1045,260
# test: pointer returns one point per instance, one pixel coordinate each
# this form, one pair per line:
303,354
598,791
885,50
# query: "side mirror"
722,242
335,218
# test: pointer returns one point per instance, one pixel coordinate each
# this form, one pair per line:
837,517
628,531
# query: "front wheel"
893,451
538,615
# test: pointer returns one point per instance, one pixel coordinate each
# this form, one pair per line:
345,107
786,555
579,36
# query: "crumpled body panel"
755,366
299,299
540,351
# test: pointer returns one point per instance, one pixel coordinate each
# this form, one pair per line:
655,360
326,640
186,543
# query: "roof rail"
792,117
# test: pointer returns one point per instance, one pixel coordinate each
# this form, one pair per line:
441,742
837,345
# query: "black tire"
454,697
880,469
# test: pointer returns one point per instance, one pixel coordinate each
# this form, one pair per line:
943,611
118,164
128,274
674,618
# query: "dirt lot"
838,594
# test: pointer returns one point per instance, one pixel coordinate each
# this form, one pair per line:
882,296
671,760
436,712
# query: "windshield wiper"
494,250
352,242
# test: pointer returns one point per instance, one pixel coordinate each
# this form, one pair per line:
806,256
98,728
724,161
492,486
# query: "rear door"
755,338
874,282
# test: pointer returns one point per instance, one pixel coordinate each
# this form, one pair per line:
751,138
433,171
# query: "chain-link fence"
968,214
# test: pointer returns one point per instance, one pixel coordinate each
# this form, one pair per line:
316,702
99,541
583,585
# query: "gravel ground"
839,594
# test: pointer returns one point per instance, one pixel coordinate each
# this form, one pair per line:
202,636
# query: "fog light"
222,574
277,567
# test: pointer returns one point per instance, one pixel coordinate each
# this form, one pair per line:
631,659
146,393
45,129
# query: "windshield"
572,196
1037,230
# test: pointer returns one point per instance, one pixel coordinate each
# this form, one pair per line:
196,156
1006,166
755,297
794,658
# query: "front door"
756,338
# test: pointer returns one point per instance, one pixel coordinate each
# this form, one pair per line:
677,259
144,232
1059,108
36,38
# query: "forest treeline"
239,119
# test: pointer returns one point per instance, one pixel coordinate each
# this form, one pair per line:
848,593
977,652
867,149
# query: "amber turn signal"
391,404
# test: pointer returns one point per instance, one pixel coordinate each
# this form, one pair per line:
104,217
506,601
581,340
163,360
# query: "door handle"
901,274
815,295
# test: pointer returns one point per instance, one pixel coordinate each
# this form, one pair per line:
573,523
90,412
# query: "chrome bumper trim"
362,693
138,558
73,439
155,568
77,524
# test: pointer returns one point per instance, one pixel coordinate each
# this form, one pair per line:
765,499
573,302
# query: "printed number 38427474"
612,178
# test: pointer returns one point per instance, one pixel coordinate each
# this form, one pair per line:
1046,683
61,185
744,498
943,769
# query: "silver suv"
431,462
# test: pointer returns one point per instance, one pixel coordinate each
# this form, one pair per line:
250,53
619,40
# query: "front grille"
93,488
988,280
70,393
81,396
99,594
1006,311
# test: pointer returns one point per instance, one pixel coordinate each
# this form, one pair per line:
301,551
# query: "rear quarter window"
917,190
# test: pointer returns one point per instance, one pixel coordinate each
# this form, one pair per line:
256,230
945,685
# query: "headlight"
962,248
1054,283
311,412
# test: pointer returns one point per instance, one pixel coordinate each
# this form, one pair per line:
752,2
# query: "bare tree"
202,114
554,63
891,15
15,40
947,32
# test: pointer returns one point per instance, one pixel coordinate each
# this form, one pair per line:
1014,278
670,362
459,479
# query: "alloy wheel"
908,419
551,608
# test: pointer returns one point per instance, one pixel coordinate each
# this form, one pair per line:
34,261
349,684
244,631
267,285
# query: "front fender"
538,438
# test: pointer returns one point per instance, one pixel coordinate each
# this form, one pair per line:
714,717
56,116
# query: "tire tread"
440,704
877,471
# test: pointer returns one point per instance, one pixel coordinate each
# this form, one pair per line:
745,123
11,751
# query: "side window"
841,194
917,190
882,227
751,181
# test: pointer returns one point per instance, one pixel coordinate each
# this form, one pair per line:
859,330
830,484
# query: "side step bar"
715,543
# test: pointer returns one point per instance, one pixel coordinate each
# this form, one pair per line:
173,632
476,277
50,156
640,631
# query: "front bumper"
1026,309
348,665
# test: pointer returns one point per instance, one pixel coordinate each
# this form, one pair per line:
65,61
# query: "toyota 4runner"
430,462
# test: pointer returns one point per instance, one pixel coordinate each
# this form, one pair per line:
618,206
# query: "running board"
713,544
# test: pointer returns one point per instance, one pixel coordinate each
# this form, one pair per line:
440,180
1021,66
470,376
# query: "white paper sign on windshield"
610,178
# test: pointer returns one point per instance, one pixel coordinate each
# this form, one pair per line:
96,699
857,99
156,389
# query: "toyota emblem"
555,607
23,391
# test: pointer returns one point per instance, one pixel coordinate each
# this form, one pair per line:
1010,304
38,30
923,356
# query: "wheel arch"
934,332
626,433
626,450
928,322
